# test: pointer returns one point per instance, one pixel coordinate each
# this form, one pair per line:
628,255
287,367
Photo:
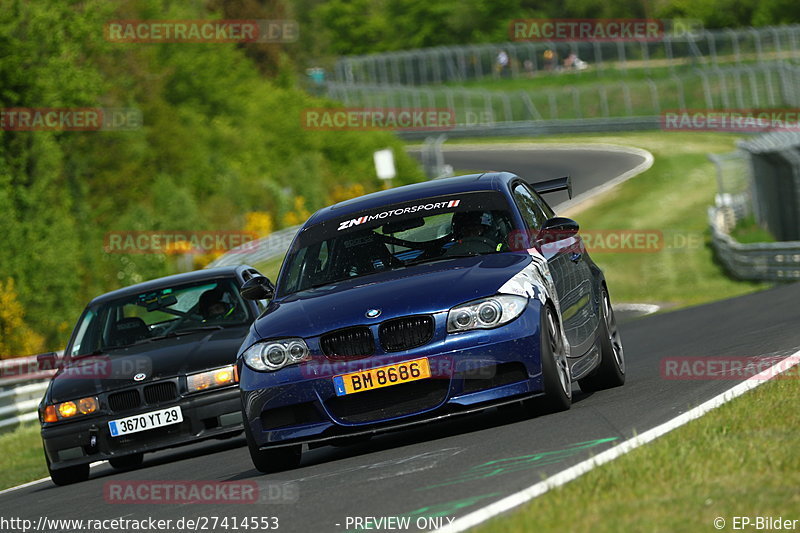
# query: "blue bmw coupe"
422,302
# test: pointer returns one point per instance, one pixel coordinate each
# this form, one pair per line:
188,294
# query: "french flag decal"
453,203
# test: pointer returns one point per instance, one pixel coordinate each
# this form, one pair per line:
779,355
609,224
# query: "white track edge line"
514,500
41,480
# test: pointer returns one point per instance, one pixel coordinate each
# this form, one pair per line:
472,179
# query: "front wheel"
611,370
556,375
69,475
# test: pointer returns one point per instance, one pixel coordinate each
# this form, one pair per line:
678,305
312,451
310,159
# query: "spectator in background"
573,62
528,66
550,59
502,63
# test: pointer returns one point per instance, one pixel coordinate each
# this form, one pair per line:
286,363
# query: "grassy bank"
738,460
21,456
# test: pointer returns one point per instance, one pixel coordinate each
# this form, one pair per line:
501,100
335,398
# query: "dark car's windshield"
159,314
421,231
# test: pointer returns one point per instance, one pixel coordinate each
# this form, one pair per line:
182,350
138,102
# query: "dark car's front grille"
124,400
349,343
389,402
405,333
160,392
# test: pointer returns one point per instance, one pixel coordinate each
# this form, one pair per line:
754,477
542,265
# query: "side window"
548,212
529,207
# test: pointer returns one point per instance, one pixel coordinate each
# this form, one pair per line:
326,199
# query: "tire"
127,462
555,368
69,475
276,459
611,370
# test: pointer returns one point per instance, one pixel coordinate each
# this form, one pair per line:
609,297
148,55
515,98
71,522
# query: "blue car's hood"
420,289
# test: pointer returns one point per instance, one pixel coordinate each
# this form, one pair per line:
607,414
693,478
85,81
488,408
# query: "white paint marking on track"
645,309
36,482
518,498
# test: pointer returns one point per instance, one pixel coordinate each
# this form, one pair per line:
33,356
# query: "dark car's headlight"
70,409
268,356
211,379
485,313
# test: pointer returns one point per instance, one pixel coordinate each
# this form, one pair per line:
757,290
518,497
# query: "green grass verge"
738,460
21,456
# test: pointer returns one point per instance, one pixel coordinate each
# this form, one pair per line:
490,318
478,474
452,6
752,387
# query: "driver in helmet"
472,233
213,305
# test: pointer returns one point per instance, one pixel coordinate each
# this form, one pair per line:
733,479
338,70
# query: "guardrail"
769,261
22,384
739,199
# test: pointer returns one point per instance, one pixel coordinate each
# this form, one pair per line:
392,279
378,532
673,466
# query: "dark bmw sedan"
148,367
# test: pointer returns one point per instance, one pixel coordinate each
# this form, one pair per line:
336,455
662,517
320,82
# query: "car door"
571,273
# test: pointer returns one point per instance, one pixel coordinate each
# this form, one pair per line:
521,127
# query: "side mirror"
257,288
47,361
556,229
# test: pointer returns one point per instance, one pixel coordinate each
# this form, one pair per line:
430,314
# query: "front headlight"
211,379
70,409
268,356
485,313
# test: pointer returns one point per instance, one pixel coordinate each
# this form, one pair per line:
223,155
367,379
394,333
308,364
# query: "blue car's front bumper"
471,370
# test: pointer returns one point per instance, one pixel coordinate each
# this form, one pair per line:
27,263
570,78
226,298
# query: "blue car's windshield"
428,230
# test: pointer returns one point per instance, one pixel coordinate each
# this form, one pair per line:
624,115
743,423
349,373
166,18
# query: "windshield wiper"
179,333
84,355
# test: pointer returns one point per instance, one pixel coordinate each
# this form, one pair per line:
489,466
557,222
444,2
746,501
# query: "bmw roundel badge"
139,377
373,313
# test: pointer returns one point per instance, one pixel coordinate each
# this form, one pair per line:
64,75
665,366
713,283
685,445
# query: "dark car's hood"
420,289
156,360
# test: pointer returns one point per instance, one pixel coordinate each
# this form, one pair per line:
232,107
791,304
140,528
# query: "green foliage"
219,140
368,26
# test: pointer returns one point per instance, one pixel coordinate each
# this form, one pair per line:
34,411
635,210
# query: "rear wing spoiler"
558,184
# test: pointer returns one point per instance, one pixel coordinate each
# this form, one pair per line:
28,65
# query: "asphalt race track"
459,465
588,167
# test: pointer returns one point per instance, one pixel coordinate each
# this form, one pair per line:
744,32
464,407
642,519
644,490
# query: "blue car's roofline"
486,181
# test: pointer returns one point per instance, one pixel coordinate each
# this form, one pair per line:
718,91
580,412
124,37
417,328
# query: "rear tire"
611,370
275,459
556,375
127,462
69,475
